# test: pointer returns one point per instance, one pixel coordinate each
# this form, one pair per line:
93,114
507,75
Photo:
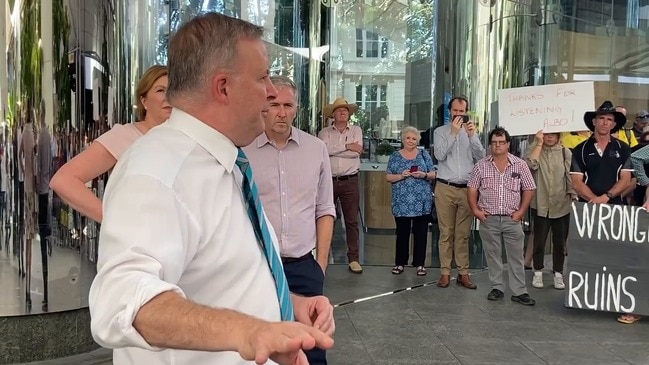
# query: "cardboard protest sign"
552,108
608,258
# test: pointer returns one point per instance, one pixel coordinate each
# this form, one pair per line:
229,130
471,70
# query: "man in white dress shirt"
181,277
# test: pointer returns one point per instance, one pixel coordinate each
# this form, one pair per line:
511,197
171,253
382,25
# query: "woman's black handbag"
433,209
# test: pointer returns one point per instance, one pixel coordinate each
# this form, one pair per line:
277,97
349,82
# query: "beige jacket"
551,171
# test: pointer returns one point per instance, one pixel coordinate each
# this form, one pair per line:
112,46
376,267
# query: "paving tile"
409,351
568,352
634,353
477,351
349,352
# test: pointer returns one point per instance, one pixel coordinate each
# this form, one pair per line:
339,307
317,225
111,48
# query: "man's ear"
220,86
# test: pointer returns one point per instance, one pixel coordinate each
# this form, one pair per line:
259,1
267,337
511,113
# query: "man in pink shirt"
293,176
344,145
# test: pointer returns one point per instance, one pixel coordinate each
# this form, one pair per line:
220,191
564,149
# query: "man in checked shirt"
500,190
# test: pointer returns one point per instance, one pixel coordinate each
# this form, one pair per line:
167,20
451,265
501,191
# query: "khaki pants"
454,218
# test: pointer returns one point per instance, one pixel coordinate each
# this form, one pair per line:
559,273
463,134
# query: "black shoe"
524,299
495,294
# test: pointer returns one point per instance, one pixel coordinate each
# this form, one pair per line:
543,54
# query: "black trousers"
306,278
542,227
44,231
419,228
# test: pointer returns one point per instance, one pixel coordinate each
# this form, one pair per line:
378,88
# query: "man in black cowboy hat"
601,165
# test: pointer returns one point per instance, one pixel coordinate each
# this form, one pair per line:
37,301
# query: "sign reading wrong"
608,249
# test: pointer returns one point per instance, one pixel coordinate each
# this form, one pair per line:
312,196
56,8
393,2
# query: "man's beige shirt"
551,172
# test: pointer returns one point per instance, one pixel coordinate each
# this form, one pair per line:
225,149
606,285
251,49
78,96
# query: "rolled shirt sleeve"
474,179
144,246
325,198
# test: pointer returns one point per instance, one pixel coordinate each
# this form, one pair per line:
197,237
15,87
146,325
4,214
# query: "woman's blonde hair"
410,129
146,83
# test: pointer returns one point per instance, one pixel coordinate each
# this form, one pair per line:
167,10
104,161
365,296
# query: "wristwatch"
609,195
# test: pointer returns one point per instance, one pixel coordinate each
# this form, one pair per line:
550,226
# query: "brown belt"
345,177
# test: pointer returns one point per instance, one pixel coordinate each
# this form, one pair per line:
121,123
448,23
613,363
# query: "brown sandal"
397,270
421,271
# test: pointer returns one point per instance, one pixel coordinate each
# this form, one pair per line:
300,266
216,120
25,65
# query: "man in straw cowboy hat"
597,160
345,144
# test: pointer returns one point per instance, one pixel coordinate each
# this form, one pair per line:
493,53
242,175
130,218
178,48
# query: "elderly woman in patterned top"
410,171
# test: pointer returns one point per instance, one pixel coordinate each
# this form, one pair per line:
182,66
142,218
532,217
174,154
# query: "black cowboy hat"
606,108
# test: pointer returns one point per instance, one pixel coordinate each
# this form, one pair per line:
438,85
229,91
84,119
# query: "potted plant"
383,152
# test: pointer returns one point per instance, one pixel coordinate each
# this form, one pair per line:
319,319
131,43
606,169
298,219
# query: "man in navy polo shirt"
601,165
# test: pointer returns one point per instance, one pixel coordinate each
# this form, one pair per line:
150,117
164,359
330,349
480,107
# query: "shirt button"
283,193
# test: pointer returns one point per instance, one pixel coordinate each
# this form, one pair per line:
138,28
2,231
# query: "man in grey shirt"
457,148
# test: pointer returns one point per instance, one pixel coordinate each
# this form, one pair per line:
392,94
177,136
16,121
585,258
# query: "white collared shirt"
174,220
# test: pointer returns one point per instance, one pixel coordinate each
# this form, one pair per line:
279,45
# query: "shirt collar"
490,158
333,126
262,140
213,141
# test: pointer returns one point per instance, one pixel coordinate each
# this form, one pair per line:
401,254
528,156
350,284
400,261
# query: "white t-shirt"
175,220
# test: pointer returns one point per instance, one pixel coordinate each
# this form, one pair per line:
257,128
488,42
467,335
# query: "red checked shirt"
500,193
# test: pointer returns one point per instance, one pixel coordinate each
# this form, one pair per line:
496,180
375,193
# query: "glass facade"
399,60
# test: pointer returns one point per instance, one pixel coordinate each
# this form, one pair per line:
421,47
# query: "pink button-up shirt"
500,193
343,162
295,187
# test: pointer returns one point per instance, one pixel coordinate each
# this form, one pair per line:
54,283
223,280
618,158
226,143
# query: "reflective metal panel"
79,61
69,73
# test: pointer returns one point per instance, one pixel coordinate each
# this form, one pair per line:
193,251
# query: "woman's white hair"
410,129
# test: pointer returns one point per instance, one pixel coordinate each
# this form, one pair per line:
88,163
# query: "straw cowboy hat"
606,108
339,103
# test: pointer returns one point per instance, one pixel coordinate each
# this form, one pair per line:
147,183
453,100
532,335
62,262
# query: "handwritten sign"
553,108
608,246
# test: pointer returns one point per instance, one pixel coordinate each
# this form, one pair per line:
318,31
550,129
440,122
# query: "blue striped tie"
256,214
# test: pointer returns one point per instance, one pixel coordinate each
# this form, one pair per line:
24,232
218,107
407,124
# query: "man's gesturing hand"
282,342
316,312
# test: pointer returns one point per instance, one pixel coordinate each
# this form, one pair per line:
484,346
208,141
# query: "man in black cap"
601,165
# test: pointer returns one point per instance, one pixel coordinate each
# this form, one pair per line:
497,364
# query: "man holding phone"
457,148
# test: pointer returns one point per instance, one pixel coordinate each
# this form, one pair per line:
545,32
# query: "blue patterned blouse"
411,197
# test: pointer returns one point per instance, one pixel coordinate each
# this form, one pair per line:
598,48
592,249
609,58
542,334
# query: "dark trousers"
44,231
419,228
347,192
542,227
306,278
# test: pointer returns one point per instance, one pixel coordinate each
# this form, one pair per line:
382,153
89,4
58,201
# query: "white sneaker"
558,281
537,281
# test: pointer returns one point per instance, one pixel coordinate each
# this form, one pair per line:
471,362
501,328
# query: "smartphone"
414,168
465,119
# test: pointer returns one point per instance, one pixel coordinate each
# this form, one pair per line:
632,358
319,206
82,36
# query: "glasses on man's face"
498,143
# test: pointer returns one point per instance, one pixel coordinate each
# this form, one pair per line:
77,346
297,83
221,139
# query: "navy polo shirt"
601,172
